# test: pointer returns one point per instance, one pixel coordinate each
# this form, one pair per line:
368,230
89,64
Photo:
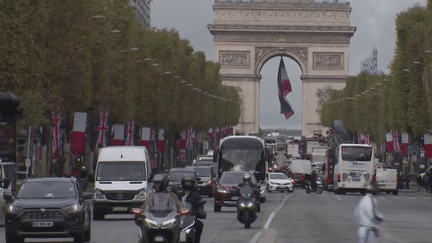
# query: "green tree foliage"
375,104
56,56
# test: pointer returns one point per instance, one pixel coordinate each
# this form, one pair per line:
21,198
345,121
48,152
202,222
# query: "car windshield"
178,175
353,153
121,171
46,190
235,178
278,176
204,171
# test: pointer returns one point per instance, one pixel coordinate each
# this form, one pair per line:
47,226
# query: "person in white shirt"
368,217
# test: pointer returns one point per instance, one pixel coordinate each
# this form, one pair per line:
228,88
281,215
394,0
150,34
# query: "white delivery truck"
121,180
299,168
387,180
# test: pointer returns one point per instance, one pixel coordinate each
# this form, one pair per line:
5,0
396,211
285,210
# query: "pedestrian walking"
368,217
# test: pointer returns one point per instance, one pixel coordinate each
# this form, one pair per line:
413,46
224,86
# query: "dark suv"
48,208
176,174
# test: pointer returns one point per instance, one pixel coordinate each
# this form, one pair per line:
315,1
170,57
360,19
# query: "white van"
121,180
300,167
387,180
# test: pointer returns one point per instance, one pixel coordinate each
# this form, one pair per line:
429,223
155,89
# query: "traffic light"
9,103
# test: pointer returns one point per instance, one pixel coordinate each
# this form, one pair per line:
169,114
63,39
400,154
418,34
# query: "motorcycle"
246,206
188,225
318,188
159,221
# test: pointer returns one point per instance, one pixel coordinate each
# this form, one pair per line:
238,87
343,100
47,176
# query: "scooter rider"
312,178
161,186
192,196
247,181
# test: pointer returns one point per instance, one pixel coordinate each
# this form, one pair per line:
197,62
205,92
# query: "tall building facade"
142,11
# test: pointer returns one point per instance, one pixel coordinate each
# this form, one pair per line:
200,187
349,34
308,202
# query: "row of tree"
79,55
402,100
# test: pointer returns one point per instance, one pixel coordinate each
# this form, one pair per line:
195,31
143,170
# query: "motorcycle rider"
161,186
247,181
368,216
192,196
312,178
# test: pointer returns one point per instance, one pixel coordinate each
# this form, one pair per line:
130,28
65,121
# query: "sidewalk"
415,188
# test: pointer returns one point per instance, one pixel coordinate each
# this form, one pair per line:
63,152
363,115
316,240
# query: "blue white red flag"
153,141
102,129
56,146
130,132
189,138
78,138
145,137
119,131
396,143
284,86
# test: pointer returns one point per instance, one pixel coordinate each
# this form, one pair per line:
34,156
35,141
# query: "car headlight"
71,209
98,195
208,182
151,222
141,194
14,209
168,223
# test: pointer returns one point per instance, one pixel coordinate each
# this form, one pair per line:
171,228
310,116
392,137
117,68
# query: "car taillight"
302,178
373,177
339,177
328,180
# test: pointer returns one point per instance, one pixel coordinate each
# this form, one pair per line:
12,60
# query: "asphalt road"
294,218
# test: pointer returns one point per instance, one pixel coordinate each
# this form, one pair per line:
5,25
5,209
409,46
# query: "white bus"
354,168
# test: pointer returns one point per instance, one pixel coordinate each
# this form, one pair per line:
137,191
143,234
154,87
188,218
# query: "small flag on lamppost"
78,138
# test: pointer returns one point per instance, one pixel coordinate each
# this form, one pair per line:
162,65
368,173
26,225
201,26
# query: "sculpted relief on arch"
299,54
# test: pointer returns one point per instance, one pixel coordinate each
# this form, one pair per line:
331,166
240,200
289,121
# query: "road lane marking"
268,222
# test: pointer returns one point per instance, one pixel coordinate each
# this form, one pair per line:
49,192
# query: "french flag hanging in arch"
284,86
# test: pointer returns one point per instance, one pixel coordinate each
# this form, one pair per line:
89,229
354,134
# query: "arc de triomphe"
248,33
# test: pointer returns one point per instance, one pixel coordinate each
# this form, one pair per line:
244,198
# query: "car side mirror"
8,198
5,183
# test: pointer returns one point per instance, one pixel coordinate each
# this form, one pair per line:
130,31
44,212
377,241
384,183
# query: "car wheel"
263,199
395,192
87,234
217,208
13,238
98,214
259,207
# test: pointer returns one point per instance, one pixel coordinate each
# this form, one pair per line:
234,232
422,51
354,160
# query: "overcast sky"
374,19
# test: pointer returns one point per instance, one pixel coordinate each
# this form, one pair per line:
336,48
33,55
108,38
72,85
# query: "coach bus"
242,153
354,168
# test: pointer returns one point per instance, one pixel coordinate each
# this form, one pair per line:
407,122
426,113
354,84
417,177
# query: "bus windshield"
242,155
356,153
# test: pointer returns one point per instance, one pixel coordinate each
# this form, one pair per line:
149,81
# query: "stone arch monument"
316,35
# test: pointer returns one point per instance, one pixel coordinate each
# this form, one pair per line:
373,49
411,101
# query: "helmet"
246,178
162,180
188,182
